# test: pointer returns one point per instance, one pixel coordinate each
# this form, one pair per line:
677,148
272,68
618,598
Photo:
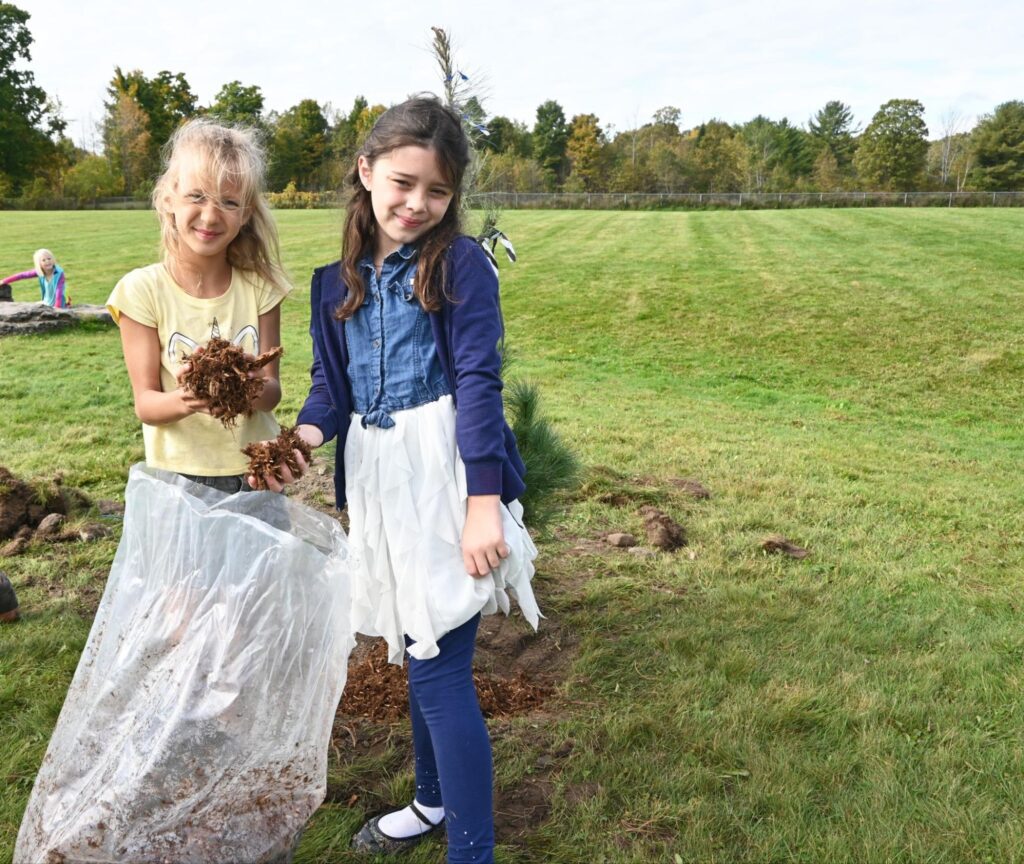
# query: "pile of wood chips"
376,690
220,374
267,457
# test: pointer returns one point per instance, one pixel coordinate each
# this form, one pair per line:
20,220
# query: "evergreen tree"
832,129
998,148
550,139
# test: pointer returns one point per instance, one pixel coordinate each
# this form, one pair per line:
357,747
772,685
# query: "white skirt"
406,491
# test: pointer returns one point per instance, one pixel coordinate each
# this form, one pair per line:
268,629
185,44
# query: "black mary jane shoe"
372,840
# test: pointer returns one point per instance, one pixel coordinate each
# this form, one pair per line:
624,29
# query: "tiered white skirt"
406,491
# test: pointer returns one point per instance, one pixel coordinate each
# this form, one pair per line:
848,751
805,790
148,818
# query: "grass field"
850,379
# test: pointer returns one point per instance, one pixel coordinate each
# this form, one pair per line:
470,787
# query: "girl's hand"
282,475
192,403
483,540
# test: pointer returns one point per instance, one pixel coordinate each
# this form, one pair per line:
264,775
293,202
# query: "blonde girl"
52,279
220,276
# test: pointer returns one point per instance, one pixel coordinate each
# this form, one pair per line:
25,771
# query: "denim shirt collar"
406,252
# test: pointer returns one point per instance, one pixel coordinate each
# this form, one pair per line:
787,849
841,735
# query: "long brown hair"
422,121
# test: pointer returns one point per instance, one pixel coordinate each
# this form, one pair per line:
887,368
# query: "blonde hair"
37,256
217,155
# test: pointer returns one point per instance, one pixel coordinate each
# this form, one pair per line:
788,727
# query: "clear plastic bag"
197,724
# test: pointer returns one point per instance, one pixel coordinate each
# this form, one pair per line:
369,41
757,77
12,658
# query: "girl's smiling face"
46,264
410,195
206,224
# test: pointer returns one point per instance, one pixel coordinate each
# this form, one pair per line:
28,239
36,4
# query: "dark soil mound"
21,504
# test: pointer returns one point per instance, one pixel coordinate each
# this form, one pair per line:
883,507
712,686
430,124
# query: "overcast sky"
621,61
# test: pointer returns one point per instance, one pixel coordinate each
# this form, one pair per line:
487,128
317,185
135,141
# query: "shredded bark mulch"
219,374
267,457
376,690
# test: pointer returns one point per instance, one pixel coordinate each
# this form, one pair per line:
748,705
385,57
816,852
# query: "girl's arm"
141,346
270,337
17,277
477,330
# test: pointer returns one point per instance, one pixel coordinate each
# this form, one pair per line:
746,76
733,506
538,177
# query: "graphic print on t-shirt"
248,338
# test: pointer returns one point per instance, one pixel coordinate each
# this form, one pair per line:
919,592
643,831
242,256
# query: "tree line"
312,145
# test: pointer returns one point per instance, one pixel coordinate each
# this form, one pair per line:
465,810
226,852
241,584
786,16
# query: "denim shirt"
393,363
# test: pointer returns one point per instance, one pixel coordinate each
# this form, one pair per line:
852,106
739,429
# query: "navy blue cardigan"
466,332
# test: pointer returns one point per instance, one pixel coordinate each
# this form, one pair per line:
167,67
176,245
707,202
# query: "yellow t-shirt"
197,444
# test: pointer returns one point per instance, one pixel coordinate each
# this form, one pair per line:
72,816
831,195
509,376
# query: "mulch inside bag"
197,724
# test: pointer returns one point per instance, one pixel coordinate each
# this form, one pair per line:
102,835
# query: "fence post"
904,199
950,199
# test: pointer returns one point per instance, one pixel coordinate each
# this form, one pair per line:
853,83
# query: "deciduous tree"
127,142
239,104
91,178
584,151
720,156
892,151
27,119
298,147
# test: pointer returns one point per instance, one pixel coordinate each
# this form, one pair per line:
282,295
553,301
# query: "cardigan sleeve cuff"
483,478
324,420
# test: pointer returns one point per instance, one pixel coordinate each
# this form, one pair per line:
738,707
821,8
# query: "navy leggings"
452,748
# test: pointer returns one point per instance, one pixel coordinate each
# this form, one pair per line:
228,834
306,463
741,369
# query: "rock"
621,540
50,525
663,532
643,552
21,318
15,547
776,543
93,531
107,507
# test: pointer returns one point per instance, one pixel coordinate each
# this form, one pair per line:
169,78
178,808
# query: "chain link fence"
606,200
738,200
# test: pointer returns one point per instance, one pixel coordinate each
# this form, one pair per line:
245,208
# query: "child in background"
406,375
220,276
52,282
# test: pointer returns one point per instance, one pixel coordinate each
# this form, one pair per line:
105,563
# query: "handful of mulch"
266,457
220,375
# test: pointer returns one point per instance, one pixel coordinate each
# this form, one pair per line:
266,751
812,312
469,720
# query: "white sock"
405,823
